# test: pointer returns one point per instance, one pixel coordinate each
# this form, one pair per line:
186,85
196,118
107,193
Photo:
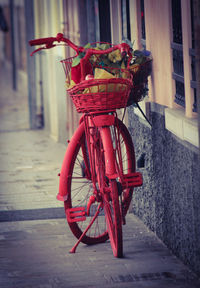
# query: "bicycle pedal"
76,214
132,180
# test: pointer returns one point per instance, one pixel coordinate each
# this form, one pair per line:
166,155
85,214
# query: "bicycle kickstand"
73,250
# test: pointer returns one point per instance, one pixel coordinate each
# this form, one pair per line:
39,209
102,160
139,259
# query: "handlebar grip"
41,41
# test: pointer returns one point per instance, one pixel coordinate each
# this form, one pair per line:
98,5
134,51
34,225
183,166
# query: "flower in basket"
140,67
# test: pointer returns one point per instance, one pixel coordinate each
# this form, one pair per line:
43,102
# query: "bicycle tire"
114,220
128,164
75,155
79,190
110,190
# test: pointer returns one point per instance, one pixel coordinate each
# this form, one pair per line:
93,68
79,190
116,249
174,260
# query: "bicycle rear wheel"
125,159
80,189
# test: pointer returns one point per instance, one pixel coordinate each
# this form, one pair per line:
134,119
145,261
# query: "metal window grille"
192,23
143,30
126,30
193,82
178,60
142,20
102,17
192,54
180,93
176,21
195,100
178,74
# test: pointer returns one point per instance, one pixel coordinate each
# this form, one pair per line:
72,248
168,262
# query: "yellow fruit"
115,56
103,74
134,68
70,84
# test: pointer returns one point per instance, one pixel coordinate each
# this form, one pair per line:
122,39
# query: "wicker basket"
100,94
67,65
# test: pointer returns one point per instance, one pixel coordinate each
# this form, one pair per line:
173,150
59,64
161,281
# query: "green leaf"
104,46
77,59
88,45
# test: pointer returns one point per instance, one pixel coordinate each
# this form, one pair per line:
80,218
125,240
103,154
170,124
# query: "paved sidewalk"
13,104
35,254
30,163
35,238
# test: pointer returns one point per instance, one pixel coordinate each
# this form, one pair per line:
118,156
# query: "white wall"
48,22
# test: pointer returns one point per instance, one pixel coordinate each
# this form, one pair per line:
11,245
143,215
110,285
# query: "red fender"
63,189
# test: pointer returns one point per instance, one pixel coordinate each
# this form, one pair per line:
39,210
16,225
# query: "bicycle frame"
102,122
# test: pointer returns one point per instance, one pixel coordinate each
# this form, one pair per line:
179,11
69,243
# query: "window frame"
187,59
182,122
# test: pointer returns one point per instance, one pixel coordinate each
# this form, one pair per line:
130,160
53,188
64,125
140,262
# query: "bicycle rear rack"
132,180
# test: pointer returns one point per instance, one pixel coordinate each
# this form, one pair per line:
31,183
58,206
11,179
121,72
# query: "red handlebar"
49,43
42,41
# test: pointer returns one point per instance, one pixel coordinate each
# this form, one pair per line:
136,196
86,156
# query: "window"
192,54
177,46
179,49
103,7
126,31
143,32
98,14
181,122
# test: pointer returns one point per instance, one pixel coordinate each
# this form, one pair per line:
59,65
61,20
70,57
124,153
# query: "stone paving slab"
32,214
35,254
30,162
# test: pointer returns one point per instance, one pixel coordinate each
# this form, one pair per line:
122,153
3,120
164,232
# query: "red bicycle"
98,171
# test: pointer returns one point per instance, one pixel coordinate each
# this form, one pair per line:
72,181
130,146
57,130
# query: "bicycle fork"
103,123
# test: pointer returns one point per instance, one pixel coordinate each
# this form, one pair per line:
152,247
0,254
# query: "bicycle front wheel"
118,153
114,219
